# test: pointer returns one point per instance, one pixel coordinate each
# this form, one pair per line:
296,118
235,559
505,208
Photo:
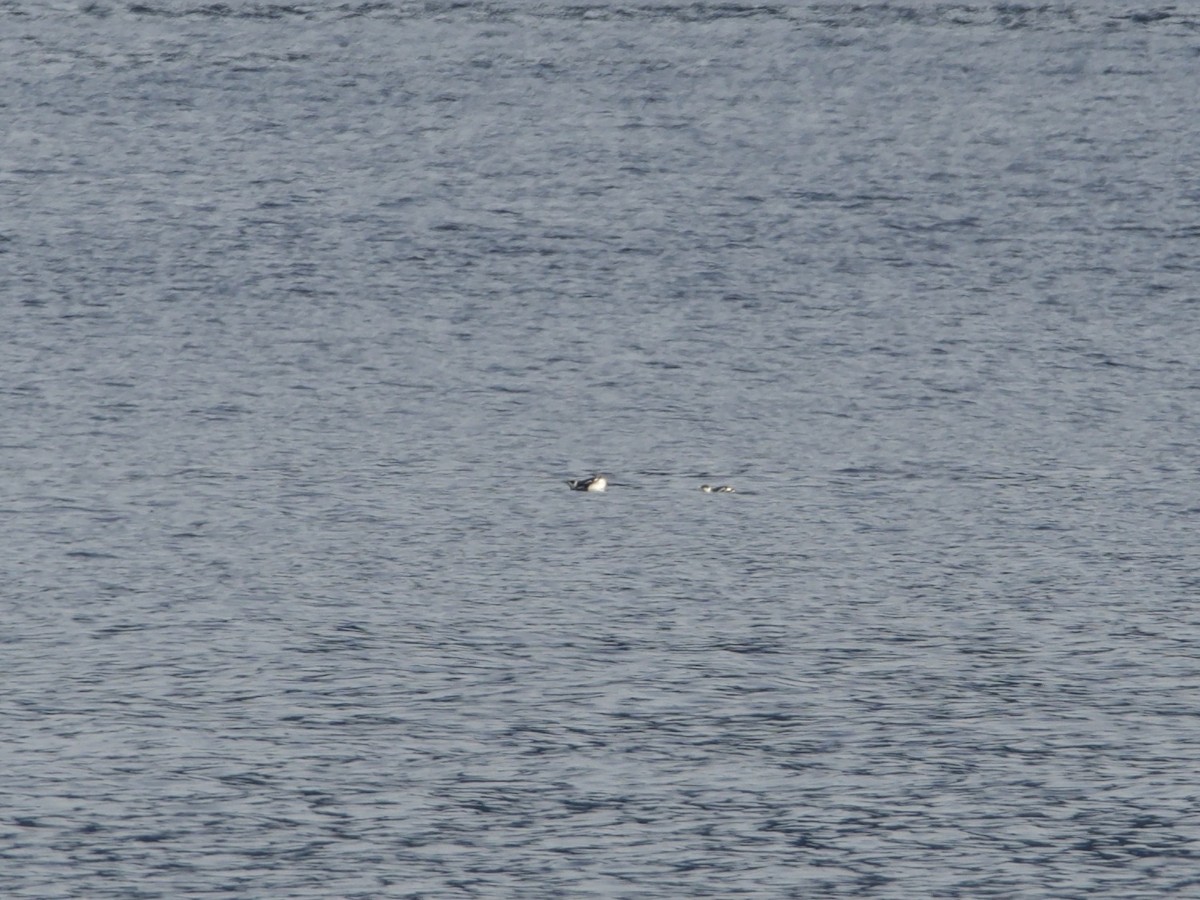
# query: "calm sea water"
310,309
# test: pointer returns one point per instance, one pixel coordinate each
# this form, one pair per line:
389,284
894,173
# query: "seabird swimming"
595,484
717,489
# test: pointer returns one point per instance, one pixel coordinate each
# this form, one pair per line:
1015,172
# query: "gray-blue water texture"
310,309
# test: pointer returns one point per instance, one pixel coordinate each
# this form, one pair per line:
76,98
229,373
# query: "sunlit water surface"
311,310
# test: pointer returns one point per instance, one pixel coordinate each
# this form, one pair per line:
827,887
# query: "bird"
717,489
595,484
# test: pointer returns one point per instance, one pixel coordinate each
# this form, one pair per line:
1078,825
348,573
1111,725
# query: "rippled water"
312,309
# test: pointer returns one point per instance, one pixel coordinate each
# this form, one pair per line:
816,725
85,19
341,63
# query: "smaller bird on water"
717,489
